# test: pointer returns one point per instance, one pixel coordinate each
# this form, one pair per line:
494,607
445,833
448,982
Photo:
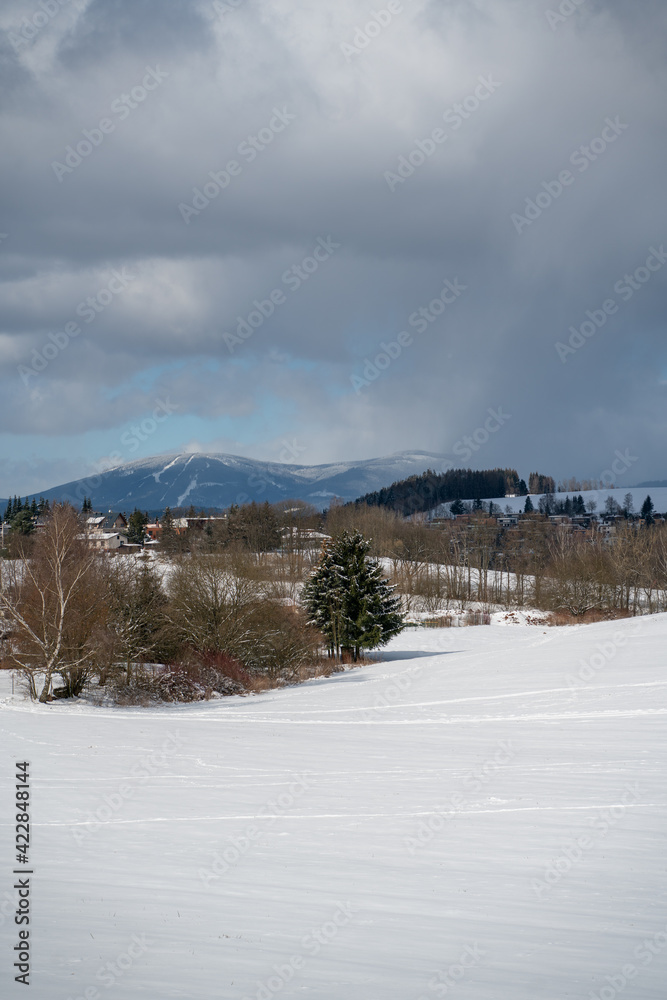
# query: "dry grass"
590,616
260,682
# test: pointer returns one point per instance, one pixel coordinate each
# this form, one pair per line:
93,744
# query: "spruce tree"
528,506
647,511
136,527
168,536
349,600
323,596
23,523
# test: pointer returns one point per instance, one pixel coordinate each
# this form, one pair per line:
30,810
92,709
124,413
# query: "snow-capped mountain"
218,480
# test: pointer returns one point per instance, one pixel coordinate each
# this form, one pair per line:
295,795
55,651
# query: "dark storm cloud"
324,122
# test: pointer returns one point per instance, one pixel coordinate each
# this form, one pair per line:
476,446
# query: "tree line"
212,622
535,563
242,600
21,515
421,493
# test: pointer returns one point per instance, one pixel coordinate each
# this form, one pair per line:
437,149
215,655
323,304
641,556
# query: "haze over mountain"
218,480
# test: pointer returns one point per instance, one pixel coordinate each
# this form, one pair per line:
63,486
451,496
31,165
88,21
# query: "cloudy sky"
354,227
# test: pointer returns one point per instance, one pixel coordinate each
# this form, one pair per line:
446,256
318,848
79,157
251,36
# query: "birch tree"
51,598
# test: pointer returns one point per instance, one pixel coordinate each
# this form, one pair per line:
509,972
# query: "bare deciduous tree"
137,600
210,604
51,596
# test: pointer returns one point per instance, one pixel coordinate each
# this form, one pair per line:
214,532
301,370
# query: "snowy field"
657,494
480,816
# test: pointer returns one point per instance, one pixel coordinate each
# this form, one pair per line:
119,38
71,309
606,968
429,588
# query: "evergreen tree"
578,505
528,506
523,489
136,527
457,507
349,600
270,535
33,507
23,523
647,511
168,536
424,492
323,596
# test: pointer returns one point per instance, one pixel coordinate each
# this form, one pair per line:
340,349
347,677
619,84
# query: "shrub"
176,684
142,687
281,642
195,678
215,671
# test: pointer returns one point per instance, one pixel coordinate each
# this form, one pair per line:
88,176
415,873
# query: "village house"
181,525
508,520
106,531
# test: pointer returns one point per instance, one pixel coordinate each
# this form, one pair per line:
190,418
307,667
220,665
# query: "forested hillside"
423,492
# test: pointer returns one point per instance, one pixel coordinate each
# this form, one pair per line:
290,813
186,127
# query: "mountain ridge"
218,479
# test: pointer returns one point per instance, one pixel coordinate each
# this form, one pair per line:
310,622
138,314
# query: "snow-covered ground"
657,494
481,815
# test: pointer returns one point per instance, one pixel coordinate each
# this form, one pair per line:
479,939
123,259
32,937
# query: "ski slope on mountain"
481,814
218,480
